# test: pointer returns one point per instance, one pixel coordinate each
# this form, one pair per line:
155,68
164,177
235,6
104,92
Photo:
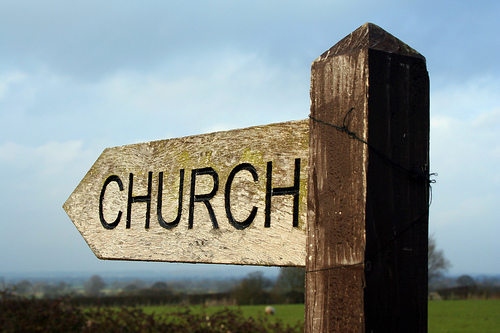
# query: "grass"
464,316
288,314
444,316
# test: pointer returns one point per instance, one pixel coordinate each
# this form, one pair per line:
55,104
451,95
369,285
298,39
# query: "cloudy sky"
79,76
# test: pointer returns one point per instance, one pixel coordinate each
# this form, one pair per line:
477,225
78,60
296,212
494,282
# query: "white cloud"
10,152
223,87
46,173
179,97
466,100
465,125
9,79
465,140
49,154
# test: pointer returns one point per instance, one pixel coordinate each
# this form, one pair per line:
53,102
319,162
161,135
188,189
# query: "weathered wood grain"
202,240
367,210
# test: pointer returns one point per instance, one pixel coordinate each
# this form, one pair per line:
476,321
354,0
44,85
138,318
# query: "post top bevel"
370,36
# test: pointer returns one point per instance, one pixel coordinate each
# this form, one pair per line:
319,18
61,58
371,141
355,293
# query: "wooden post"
368,186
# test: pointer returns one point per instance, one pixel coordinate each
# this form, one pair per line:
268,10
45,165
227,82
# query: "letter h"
292,190
139,198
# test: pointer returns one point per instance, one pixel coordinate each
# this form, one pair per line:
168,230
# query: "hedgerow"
58,315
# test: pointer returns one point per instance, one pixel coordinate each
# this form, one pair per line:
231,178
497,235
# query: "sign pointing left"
234,197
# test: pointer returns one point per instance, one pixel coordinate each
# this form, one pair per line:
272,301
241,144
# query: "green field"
444,316
289,313
464,316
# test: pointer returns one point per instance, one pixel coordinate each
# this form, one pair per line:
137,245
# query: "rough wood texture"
397,194
203,239
360,205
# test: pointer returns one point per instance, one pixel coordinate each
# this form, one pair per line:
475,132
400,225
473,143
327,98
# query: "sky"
77,77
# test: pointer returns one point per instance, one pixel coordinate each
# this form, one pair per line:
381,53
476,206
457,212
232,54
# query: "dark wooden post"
368,187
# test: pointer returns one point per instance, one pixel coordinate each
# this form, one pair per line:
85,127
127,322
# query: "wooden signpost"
210,198
344,193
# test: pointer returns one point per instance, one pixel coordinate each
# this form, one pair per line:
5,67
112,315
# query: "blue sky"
77,77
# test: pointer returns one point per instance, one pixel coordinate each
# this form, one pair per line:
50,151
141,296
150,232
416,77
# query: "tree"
94,285
159,285
466,281
252,289
437,263
24,287
53,290
130,288
290,284
3,285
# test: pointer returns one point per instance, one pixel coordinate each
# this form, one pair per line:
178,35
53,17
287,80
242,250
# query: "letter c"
251,217
105,224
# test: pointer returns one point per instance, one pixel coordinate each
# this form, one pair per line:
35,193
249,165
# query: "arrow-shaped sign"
234,197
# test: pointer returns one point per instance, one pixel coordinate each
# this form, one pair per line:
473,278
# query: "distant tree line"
466,287
255,288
